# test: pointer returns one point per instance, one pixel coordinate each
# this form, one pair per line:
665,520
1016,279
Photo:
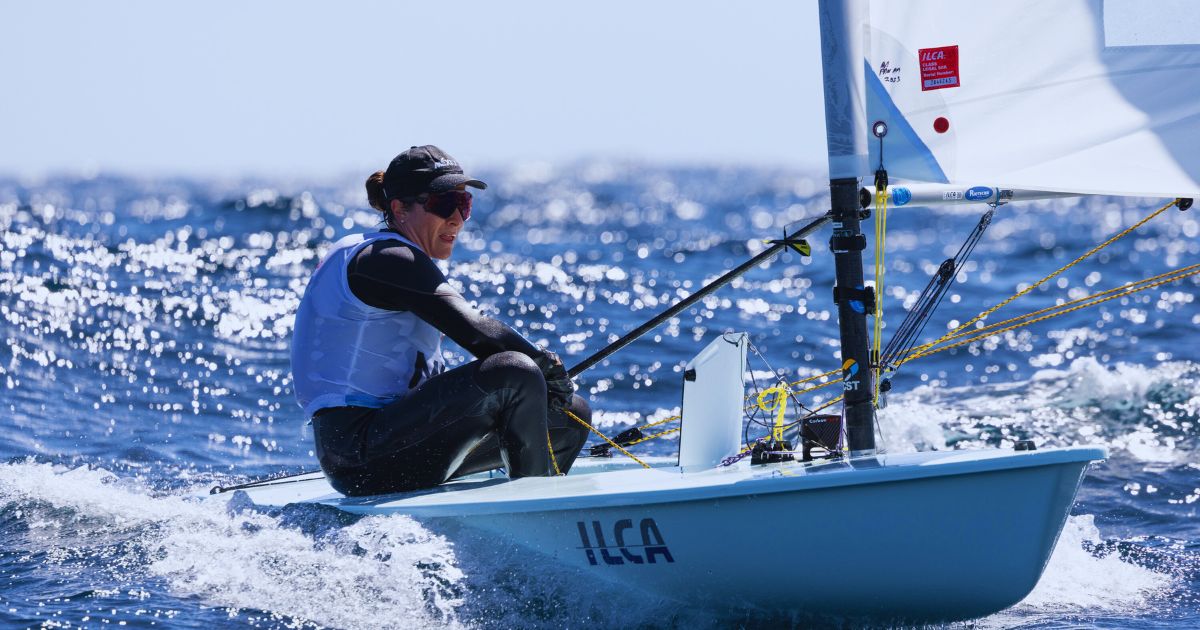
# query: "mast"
846,131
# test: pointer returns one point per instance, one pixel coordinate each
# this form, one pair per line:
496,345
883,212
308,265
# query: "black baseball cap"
424,169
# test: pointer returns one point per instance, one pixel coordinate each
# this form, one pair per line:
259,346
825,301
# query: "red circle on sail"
941,125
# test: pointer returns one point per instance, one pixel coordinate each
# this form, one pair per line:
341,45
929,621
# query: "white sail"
1039,94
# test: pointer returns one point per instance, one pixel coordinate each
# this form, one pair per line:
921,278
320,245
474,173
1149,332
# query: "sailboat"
1036,103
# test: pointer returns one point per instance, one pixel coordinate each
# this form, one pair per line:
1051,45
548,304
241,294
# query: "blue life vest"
346,352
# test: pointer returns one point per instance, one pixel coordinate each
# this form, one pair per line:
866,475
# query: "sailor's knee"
511,370
581,409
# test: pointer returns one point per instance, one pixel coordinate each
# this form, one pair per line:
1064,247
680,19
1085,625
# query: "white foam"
909,424
377,572
1086,380
1077,582
1087,402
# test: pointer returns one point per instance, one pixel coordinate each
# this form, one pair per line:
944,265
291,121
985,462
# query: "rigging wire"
910,329
1068,307
753,409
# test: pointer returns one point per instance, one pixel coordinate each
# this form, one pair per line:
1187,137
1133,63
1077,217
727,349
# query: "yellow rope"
813,378
815,388
605,437
747,408
796,393
1039,283
1092,300
837,399
1061,309
1121,291
656,435
663,421
881,199
833,400
553,460
778,405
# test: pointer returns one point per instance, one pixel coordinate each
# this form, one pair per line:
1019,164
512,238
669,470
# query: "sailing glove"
559,387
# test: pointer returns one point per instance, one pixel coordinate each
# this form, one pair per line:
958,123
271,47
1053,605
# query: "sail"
1086,96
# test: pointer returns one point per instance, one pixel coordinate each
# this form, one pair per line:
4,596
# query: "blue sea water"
146,324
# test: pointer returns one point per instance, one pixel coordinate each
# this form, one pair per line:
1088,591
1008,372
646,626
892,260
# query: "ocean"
146,327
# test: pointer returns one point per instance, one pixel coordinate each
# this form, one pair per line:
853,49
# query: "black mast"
846,137
853,302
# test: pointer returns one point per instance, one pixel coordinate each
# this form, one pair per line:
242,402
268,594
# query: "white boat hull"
926,536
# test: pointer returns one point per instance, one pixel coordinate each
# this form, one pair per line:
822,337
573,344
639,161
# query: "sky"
273,87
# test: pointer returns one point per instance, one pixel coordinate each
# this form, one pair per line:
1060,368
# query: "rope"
605,437
816,387
656,435
793,392
833,400
553,460
658,422
1092,300
881,199
814,412
1121,291
779,406
813,378
950,335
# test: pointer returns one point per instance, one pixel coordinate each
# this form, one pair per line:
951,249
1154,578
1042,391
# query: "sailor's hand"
559,387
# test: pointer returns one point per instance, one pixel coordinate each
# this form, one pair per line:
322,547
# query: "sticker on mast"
939,68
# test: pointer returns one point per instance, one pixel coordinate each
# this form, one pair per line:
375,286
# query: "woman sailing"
367,362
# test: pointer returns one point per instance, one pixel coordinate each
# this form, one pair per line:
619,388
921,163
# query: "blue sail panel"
905,154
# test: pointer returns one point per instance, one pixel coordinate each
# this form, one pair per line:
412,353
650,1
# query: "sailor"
367,360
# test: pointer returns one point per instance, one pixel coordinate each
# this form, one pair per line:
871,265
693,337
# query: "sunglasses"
446,203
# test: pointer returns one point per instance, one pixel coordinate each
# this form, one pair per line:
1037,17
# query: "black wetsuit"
490,413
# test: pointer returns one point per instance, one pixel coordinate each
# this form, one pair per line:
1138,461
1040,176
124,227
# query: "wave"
304,562
1148,413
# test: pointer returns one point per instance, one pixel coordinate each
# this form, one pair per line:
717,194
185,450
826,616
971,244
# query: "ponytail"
375,194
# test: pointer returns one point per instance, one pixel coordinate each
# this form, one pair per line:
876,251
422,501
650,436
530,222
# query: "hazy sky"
308,88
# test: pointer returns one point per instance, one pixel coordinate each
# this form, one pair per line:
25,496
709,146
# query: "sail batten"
1025,94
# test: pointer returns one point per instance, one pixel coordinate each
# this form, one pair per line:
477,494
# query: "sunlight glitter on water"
146,331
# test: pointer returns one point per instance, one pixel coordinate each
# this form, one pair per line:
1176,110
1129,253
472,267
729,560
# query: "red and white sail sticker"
939,68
